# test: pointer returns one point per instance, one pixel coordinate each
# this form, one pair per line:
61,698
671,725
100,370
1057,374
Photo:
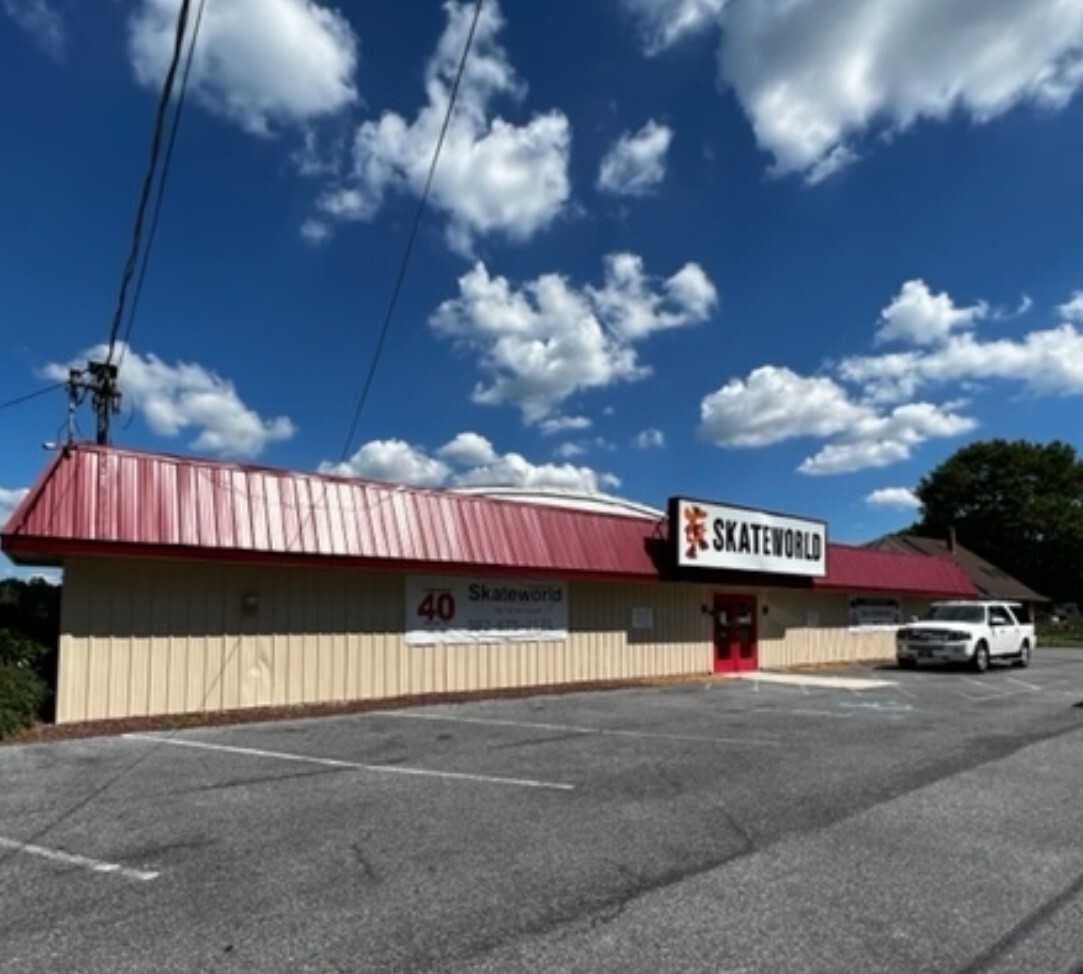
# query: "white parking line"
353,765
84,862
1003,696
573,729
802,712
984,684
1023,683
811,680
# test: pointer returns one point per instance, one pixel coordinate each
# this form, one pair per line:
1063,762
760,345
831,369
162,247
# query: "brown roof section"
990,581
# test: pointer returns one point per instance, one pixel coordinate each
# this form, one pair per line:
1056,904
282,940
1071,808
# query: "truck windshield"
956,613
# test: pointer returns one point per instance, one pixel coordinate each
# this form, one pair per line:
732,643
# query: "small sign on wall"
466,609
643,617
870,613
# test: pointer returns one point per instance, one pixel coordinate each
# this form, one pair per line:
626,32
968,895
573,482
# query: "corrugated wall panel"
801,629
152,637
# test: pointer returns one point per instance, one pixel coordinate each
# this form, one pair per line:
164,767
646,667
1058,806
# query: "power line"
33,395
177,113
164,99
404,263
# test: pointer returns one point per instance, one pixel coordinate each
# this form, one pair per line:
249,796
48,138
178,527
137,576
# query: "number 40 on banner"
437,606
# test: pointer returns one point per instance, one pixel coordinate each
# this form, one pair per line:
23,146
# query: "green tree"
32,610
22,691
1018,504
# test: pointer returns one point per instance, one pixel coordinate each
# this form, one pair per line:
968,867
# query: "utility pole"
100,380
105,396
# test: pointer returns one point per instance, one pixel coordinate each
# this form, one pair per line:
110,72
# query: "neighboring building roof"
861,569
990,581
93,500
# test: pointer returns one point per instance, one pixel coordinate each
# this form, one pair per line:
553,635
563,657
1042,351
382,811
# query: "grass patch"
1064,637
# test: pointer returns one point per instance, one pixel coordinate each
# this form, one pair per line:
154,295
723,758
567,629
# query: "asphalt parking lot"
930,823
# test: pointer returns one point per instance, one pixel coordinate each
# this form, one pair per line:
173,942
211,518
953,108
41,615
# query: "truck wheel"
981,658
1024,656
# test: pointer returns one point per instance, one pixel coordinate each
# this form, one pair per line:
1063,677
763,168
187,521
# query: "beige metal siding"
151,637
804,628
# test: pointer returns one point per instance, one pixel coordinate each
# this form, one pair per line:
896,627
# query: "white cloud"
837,160
547,340
1072,310
634,311
562,424
468,460
1048,362
41,21
898,497
186,396
513,470
314,161
636,163
493,177
1026,302
9,500
916,316
664,22
394,461
314,232
567,451
649,439
259,63
814,76
775,404
469,450
878,440
884,378
876,424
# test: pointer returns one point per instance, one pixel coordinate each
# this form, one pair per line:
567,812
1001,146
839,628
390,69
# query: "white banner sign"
871,613
738,539
465,609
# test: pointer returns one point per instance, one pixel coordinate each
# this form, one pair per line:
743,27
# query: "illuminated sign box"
720,536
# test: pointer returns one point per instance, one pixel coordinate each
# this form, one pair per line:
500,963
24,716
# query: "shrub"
22,691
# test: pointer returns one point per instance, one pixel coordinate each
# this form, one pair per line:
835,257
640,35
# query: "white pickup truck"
967,632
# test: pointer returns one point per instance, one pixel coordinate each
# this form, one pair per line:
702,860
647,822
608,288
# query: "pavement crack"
1022,930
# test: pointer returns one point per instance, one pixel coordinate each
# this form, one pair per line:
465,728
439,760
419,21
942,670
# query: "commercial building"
193,585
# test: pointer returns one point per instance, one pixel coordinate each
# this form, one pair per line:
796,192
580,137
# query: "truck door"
1005,634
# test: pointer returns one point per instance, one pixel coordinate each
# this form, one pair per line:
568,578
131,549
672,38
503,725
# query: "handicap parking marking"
353,765
81,862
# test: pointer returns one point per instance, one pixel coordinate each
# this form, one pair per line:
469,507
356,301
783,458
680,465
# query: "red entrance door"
734,633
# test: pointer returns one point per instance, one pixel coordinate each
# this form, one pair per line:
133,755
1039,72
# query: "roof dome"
575,500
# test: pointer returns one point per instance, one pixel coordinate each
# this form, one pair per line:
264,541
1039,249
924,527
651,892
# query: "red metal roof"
110,501
104,500
854,569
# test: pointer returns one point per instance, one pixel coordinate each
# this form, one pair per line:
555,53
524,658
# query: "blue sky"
785,253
